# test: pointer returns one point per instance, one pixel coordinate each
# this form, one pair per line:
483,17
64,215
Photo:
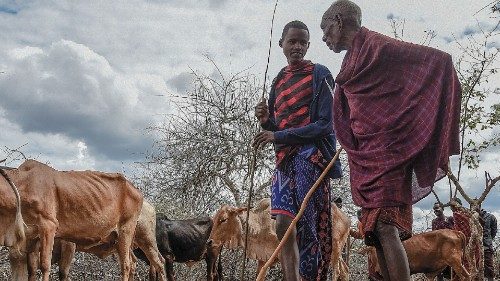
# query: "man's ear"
280,43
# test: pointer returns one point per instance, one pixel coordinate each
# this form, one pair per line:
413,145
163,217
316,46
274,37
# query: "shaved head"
347,10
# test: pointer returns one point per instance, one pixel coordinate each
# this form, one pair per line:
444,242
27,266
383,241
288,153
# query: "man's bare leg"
396,265
382,263
289,255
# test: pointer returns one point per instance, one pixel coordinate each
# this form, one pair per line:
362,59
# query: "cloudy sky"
81,81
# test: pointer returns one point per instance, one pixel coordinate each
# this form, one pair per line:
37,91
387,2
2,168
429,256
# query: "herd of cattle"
46,215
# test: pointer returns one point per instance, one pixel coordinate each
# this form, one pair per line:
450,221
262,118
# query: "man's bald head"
348,11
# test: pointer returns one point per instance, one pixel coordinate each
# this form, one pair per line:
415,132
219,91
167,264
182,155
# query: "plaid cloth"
442,223
401,217
397,106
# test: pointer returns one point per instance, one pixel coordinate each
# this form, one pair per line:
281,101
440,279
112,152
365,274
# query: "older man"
396,113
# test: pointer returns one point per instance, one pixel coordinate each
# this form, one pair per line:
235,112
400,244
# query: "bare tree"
476,67
203,153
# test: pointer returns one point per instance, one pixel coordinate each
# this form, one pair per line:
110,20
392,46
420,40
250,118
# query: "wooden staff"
254,154
263,271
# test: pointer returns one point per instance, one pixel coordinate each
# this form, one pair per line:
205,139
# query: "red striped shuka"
294,93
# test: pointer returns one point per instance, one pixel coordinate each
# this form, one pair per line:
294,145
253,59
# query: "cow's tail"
19,222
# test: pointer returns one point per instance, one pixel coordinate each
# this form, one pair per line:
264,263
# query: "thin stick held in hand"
263,271
269,53
254,155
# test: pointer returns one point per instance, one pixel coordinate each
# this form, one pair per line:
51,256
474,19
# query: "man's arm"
315,130
269,125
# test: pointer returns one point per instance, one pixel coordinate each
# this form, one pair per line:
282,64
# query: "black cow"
185,241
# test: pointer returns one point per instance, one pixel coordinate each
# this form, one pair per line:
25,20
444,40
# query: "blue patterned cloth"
291,182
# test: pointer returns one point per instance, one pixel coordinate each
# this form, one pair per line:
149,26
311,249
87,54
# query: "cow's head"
227,229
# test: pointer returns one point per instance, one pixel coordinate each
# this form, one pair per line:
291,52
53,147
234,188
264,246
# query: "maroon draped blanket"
396,113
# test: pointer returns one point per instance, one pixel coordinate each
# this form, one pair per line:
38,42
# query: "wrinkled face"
332,33
295,45
227,227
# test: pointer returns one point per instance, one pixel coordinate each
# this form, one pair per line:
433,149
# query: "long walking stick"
263,271
253,164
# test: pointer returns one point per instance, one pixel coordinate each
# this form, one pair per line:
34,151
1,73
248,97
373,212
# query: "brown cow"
144,238
431,252
262,239
88,208
12,231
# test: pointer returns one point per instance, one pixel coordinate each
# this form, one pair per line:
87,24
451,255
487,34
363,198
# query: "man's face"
437,210
295,45
332,33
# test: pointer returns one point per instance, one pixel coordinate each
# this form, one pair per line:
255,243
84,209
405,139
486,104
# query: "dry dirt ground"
90,268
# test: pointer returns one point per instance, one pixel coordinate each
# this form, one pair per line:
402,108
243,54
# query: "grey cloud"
448,39
182,82
469,31
494,44
214,4
8,10
70,90
13,7
478,28
239,37
391,16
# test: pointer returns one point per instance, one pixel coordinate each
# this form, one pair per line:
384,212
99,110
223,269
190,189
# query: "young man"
396,113
441,221
298,121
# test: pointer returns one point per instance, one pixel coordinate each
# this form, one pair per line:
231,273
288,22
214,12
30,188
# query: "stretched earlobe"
280,43
339,20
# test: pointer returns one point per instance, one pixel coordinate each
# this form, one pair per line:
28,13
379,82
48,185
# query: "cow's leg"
214,264
133,265
391,254
153,275
125,236
33,262
153,255
67,254
210,267
260,265
289,255
18,262
336,251
458,268
169,268
47,233
344,270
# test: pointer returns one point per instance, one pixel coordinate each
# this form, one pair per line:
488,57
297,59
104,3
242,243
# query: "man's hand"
262,111
263,138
